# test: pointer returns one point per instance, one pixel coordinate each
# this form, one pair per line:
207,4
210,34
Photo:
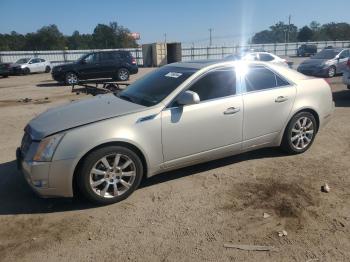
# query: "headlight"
328,63
47,147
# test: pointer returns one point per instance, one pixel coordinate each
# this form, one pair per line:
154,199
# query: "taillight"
133,61
348,63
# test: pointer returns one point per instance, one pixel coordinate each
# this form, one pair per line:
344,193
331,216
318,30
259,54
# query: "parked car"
117,65
306,50
346,75
32,65
326,63
259,56
178,115
4,69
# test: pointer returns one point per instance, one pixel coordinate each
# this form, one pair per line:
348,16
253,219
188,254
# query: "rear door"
268,101
108,64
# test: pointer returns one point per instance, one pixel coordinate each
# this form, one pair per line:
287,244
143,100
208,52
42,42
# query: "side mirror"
188,98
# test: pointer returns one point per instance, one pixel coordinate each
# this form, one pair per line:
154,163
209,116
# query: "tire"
47,69
123,74
348,86
331,72
5,76
71,78
26,71
98,184
298,140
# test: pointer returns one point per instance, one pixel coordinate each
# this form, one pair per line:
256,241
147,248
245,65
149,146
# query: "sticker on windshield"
173,74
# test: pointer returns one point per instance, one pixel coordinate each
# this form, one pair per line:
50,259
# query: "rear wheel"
331,71
110,174
47,69
71,78
300,133
123,74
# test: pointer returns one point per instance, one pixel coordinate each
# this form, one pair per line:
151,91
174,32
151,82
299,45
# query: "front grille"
25,144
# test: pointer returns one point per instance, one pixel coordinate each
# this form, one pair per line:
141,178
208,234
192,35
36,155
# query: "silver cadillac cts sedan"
178,115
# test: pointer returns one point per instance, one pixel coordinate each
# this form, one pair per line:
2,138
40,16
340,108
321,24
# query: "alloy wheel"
71,78
112,175
123,74
331,71
302,133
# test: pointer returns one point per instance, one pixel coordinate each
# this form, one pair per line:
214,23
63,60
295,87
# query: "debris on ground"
24,100
266,215
282,233
250,247
325,188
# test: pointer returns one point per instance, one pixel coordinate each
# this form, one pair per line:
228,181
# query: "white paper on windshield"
173,74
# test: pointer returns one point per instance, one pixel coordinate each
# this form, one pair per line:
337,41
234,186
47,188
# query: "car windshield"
154,87
22,61
326,54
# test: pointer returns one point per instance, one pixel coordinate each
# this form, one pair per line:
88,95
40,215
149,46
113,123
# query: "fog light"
40,183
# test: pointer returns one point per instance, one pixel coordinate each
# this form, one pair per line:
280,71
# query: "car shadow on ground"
16,197
341,98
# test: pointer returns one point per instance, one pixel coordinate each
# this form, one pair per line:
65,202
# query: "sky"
186,21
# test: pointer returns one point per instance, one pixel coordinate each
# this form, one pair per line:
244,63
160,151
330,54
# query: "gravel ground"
188,214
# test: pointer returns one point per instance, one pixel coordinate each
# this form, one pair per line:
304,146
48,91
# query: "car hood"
79,113
314,62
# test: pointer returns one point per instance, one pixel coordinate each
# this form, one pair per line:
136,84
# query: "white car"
34,65
265,57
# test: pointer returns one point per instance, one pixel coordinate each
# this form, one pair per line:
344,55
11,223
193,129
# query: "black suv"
118,65
306,50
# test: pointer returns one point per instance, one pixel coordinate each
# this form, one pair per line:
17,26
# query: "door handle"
232,110
281,99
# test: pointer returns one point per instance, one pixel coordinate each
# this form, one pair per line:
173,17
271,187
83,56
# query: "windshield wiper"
125,97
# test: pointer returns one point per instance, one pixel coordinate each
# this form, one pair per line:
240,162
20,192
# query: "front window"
154,87
22,61
325,54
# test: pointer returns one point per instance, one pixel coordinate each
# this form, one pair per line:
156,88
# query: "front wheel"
26,71
300,133
71,78
331,72
123,74
110,174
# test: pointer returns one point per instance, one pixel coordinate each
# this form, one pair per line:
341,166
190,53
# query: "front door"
268,101
215,124
90,67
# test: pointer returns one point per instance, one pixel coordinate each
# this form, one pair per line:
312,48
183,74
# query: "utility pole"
210,37
289,17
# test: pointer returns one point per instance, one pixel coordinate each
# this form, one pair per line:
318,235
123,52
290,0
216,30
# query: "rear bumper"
313,71
133,70
346,78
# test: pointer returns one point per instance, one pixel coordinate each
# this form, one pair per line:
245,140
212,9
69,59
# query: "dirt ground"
188,214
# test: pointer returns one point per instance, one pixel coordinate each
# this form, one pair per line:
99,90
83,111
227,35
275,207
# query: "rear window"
260,78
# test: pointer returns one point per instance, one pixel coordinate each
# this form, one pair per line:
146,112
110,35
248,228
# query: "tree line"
281,33
50,38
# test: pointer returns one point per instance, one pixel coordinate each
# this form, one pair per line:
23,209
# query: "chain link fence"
188,53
